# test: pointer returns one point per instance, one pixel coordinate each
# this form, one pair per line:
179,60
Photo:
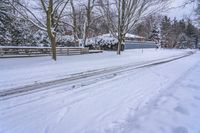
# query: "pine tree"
182,26
165,32
191,30
14,31
5,22
155,34
197,10
175,32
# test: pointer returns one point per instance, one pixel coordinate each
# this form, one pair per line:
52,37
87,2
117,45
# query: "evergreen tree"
165,31
182,26
197,10
14,31
191,30
5,22
41,38
22,33
175,32
155,34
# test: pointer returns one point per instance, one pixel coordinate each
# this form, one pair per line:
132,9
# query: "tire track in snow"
94,76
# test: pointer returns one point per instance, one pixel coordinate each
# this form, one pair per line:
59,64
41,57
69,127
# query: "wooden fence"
33,51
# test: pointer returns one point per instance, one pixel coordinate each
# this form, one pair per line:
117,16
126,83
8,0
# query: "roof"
133,36
128,35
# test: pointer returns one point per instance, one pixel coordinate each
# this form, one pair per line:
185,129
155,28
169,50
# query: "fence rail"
31,51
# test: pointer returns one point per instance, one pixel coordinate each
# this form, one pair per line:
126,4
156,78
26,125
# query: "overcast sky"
181,12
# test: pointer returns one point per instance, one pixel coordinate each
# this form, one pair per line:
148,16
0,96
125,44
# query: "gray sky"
181,12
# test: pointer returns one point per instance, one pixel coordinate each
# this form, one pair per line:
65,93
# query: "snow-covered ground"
16,72
155,99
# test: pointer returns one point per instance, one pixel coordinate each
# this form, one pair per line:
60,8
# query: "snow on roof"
128,35
133,36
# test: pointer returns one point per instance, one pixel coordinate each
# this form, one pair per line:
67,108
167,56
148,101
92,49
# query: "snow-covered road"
175,110
151,99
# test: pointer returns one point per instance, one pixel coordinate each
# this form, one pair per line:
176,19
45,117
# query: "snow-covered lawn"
156,99
16,72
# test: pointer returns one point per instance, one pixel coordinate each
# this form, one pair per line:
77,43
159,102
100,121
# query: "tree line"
178,34
169,33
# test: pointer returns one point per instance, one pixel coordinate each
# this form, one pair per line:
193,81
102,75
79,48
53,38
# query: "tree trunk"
119,28
119,45
51,34
75,27
53,47
121,23
87,21
84,33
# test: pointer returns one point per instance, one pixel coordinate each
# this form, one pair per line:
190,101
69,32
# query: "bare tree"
197,11
53,10
89,6
184,4
128,13
82,18
74,21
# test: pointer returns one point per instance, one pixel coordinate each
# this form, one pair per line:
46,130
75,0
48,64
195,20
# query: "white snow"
133,36
175,110
162,98
109,39
105,39
128,35
17,72
64,39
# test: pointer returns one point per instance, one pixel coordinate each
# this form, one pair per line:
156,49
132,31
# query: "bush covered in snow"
41,38
102,40
66,40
